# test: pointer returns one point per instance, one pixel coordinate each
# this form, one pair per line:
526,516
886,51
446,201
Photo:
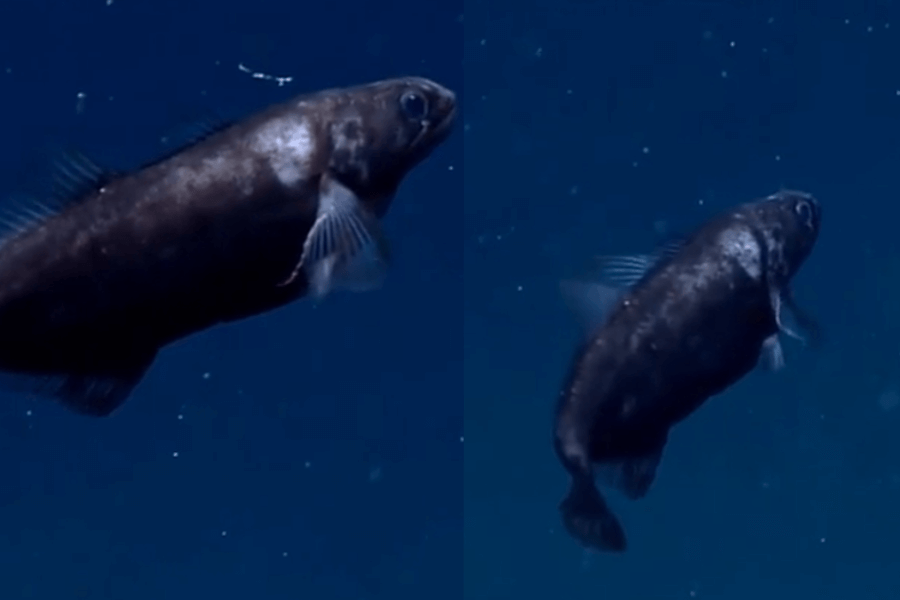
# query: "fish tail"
589,520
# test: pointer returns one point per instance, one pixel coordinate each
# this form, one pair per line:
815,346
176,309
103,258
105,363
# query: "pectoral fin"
772,353
791,319
345,249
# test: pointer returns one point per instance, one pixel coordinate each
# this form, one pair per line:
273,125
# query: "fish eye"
804,212
414,105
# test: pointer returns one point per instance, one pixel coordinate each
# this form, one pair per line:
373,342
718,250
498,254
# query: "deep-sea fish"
246,218
669,330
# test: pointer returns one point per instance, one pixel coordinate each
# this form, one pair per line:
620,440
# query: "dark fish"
249,217
675,328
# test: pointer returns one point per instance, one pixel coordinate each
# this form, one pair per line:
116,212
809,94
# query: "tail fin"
588,519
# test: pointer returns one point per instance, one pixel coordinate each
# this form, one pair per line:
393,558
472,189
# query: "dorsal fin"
75,176
207,126
190,134
592,300
625,271
589,301
19,213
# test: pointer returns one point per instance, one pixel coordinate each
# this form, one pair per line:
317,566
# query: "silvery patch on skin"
287,144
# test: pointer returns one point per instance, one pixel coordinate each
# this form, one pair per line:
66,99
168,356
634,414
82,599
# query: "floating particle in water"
260,75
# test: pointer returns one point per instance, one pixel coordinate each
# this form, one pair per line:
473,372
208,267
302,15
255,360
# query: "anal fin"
632,476
95,394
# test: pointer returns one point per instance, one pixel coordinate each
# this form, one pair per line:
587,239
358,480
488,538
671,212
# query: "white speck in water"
206,375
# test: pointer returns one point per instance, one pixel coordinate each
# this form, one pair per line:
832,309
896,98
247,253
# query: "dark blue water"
314,452
593,127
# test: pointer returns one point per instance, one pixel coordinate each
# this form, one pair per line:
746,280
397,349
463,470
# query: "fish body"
668,331
280,205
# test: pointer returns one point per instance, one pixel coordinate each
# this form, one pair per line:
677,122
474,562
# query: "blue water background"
314,452
598,127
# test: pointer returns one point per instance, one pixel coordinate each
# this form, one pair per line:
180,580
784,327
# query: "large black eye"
804,212
414,105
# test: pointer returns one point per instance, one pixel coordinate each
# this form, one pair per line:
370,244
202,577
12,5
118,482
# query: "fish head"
379,132
791,221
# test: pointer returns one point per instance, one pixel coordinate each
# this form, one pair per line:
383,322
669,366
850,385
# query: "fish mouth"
446,109
434,132
442,128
